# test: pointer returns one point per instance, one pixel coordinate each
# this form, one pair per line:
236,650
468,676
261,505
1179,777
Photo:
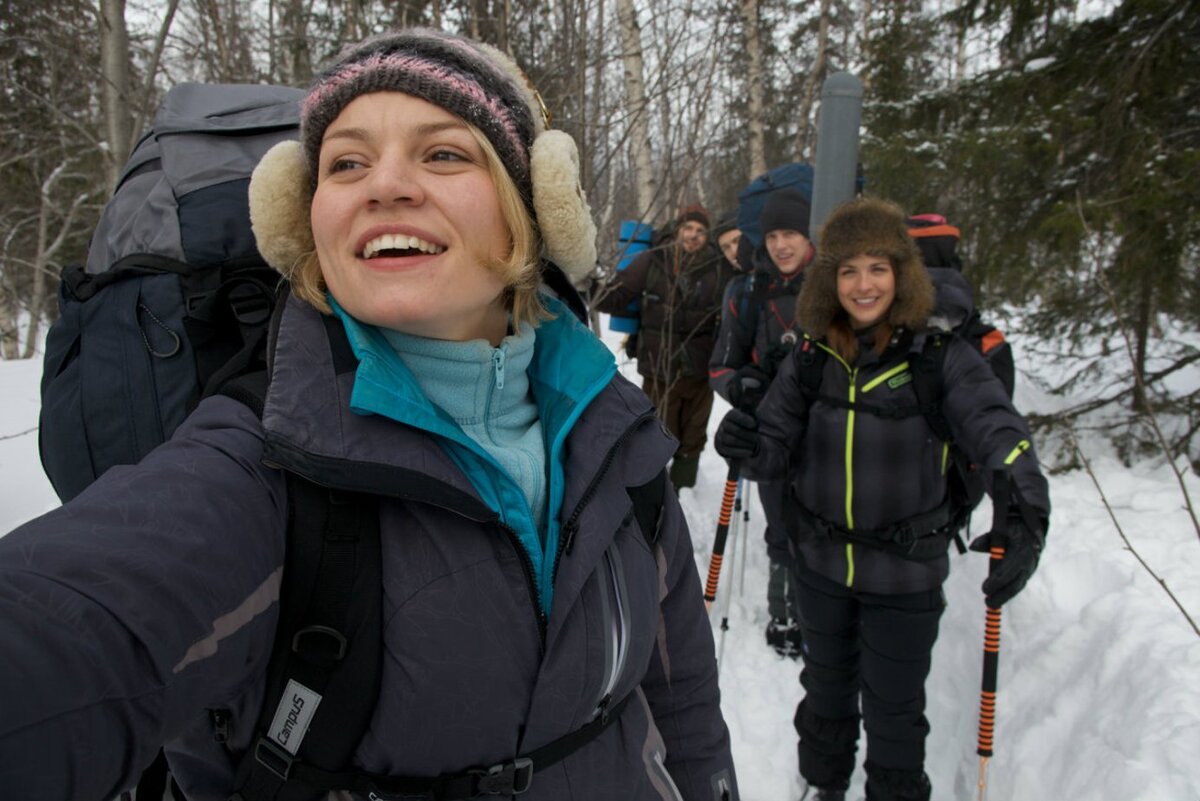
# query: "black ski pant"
782,603
868,650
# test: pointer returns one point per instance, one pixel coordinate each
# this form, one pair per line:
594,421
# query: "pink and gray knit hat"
456,74
472,80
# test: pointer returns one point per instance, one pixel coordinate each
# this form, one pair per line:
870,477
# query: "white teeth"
399,242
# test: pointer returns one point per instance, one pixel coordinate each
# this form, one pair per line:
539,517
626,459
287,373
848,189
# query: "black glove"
737,436
1022,548
747,387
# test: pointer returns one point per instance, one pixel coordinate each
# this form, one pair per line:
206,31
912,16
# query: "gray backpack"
174,299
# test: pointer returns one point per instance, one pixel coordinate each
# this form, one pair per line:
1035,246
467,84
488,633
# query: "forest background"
1060,137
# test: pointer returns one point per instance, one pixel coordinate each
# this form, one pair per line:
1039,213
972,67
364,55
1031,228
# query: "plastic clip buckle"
507,778
273,758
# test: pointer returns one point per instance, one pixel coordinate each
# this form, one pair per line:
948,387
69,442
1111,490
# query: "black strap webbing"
647,506
921,537
505,778
327,641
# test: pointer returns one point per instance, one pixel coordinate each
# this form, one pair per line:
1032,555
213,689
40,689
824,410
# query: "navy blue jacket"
151,598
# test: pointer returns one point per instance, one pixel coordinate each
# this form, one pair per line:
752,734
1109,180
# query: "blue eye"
447,155
341,165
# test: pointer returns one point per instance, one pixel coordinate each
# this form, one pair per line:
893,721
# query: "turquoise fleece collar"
569,368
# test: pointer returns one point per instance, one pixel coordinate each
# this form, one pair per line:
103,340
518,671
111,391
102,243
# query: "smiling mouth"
393,245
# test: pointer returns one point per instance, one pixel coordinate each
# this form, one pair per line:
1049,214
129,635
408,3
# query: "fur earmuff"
280,204
568,232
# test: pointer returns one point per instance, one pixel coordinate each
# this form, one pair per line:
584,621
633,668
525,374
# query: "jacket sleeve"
626,286
782,421
145,600
734,347
681,683
987,426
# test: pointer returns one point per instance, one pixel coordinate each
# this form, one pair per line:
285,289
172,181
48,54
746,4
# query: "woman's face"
866,288
406,218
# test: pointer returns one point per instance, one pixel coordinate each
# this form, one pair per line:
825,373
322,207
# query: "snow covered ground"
1099,670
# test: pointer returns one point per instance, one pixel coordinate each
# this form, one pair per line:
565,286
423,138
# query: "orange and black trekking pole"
987,690
718,553
991,634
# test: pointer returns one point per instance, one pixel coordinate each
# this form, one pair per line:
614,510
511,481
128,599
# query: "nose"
395,180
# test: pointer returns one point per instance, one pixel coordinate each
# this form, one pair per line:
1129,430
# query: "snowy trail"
1098,697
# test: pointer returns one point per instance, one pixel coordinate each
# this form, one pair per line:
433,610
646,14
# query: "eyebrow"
425,129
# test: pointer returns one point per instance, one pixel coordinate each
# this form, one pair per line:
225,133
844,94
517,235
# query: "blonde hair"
520,269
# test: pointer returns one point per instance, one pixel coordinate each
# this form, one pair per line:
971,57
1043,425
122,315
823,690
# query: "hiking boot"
795,638
684,469
811,793
784,636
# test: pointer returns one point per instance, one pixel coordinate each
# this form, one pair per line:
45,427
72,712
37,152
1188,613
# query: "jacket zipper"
850,476
530,585
566,539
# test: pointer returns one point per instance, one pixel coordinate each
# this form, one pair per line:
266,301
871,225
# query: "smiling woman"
433,384
859,421
394,166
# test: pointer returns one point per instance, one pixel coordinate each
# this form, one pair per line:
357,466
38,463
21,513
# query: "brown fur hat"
877,227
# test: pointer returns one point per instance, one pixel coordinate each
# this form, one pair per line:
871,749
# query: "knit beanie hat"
725,223
937,240
473,81
694,213
785,209
876,227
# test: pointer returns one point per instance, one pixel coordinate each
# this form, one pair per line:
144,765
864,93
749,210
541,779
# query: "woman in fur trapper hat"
859,419
490,587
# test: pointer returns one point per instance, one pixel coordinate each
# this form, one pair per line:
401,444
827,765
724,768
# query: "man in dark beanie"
680,283
757,332
727,236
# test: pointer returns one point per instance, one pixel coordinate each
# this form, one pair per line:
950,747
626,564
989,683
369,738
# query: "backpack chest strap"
503,779
910,538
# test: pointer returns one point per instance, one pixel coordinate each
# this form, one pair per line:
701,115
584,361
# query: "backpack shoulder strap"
648,507
811,362
928,384
323,677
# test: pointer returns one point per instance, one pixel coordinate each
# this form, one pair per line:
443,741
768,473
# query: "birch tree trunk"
115,87
754,85
805,127
635,92
48,206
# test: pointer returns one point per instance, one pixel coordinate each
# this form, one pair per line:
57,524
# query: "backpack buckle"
317,651
268,754
506,778
904,536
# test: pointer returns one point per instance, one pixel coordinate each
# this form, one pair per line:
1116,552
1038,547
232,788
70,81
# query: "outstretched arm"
127,612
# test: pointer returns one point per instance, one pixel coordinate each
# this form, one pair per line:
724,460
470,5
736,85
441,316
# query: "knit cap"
785,209
694,213
472,80
725,223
